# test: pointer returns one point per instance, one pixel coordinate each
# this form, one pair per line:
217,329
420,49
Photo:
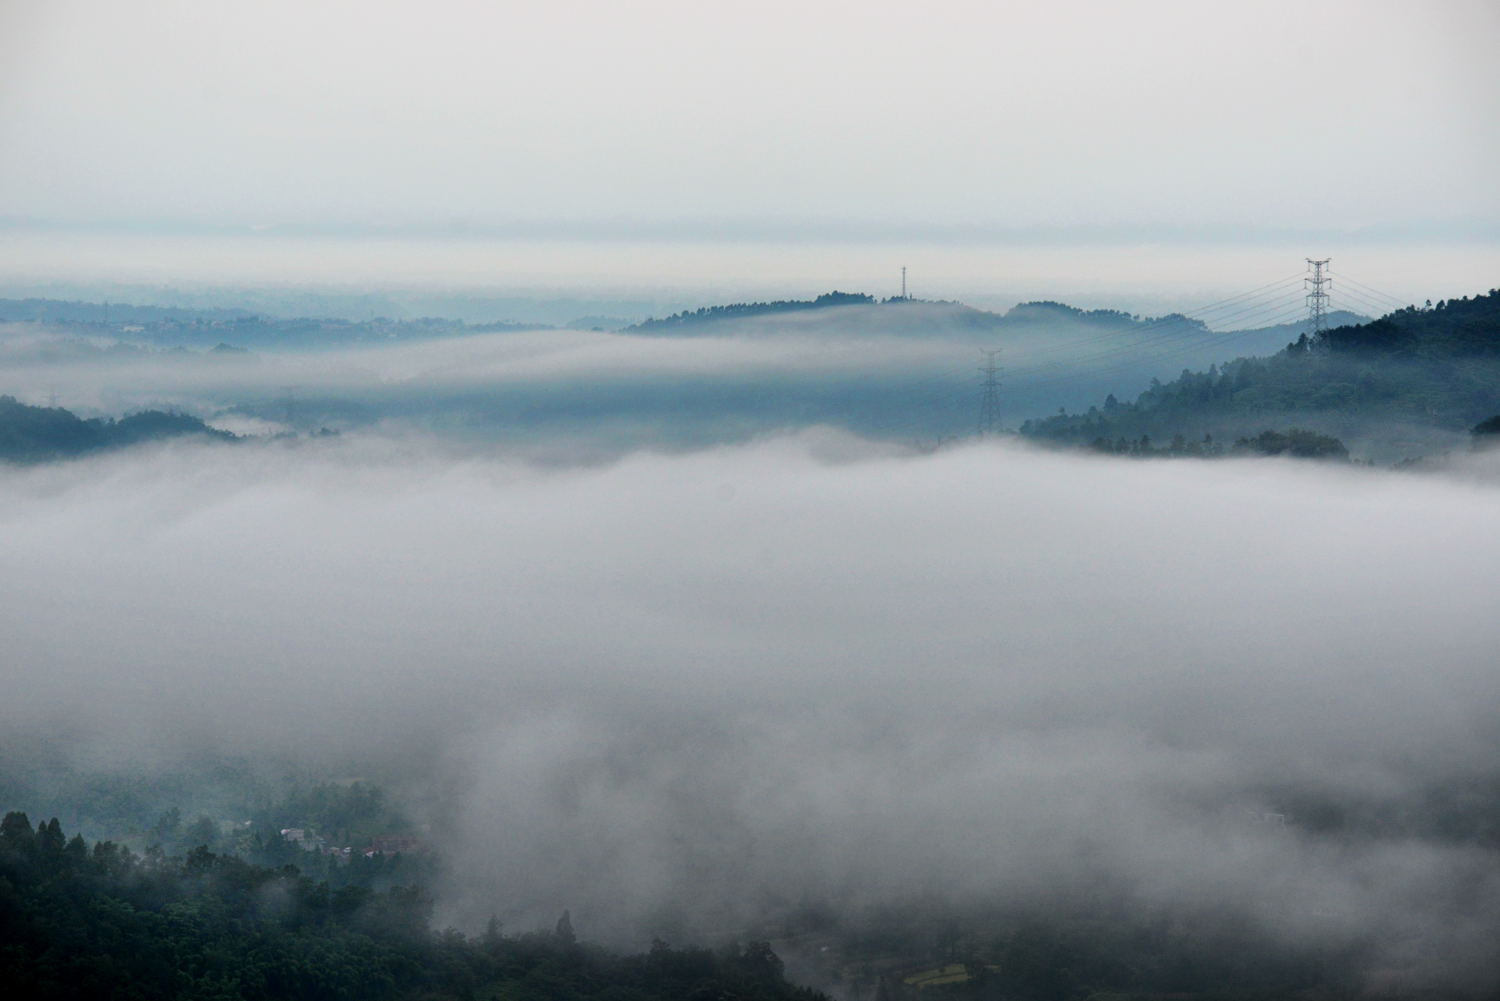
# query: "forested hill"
1042,323
81,921
742,310
1410,383
37,434
864,314
1457,328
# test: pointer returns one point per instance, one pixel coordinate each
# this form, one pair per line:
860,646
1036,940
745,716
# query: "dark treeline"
1201,957
1457,327
342,833
1436,367
37,434
1048,309
345,832
81,921
741,310
918,314
1294,442
92,921
229,909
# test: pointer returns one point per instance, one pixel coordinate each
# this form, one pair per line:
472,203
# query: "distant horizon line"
760,230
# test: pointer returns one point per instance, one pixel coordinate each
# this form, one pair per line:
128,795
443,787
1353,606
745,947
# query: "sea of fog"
693,689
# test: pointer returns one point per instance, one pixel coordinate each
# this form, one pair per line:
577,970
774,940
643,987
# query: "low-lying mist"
614,392
899,372
680,694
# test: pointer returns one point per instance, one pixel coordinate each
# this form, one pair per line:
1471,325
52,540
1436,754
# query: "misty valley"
790,501
770,650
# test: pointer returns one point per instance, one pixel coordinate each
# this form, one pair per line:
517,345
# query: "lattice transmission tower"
989,395
1317,296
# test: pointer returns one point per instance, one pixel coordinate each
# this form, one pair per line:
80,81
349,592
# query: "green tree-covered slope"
36,434
1413,378
101,922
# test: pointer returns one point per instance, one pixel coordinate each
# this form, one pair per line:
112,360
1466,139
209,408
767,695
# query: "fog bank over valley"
898,370
783,502
681,694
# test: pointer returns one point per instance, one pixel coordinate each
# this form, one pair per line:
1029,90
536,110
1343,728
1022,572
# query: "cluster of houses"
379,846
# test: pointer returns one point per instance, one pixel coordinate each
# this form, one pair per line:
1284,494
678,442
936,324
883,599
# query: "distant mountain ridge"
865,313
34,310
741,310
181,326
1051,309
868,314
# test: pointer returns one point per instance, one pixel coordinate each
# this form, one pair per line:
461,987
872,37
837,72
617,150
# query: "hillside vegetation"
37,434
81,921
1411,378
741,310
866,314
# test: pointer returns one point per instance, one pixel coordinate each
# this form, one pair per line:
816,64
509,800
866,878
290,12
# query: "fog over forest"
749,502
898,370
678,693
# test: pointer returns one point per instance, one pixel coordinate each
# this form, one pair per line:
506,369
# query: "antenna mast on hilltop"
989,398
903,283
1317,298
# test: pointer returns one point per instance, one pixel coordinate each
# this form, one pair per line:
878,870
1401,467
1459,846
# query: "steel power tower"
1317,297
989,397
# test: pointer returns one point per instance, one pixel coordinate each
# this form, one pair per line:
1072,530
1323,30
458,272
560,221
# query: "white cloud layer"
810,667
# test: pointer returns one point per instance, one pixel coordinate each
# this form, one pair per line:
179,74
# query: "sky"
849,123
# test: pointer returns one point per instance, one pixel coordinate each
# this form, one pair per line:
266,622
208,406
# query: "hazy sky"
851,119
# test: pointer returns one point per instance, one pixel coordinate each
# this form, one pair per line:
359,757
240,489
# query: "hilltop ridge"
1413,379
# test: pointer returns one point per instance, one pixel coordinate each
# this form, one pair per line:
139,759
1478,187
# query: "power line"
1242,303
1267,306
1364,301
1059,375
1131,355
1279,281
1131,344
1143,344
1232,320
1375,292
1376,300
1170,327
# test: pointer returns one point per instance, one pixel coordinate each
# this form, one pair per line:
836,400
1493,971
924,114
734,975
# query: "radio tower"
1317,298
903,283
989,398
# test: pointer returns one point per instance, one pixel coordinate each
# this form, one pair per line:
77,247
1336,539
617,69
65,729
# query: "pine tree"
564,930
